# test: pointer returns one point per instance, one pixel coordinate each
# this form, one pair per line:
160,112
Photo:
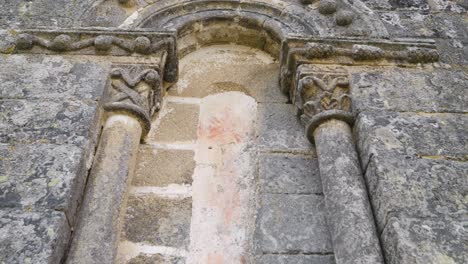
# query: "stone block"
156,259
410,90
52,77
416,174
29,237
453,51
424,241
175,123
289,174
162,167
414,134
413,23
420,187
280,129
47,121
292,224
42,176
295,259
158,221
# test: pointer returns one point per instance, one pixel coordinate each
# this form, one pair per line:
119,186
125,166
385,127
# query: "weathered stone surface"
47,121
42,13
158,221
289,174
413,134
292,224
96,235
32,236
280,129
416,175
51,77
175,123
296,259
424,188
348,209
453,51
162,167
410,90
42,176
421,241
225,68
156,259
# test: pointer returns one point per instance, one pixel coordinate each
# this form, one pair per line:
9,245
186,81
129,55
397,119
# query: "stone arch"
256,23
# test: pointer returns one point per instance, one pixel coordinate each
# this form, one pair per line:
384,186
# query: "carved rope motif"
136,89
321,92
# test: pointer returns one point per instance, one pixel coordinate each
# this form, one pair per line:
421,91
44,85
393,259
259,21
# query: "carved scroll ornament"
136,90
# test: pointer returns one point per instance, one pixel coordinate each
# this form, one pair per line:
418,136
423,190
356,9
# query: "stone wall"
410,131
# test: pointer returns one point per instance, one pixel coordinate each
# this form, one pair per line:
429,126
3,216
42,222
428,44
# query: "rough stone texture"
32,236
51,77
289,174
416,175
42,176
413,134
410,90
418,240
275,233
348,210
295,259
161,167
47,121
158,221
176,123
156,259
279,129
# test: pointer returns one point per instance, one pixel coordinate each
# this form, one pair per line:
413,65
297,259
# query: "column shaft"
96,237
349,214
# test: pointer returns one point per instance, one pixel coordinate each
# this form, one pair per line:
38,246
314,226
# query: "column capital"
322,94
136,90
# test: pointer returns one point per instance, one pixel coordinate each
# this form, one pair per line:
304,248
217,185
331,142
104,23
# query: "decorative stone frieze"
136,90
87,41
296,51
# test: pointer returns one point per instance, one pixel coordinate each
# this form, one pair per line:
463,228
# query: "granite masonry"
234,131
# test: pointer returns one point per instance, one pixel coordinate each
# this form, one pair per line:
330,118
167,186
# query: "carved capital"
321,95
348,51
136,90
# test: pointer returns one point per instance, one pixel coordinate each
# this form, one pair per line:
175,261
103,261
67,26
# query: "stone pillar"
349,214
134,97
324,103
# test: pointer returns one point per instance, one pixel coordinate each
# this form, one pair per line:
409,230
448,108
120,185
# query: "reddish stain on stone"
222,129
215,259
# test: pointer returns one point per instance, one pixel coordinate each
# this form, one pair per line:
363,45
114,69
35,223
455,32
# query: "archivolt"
199,23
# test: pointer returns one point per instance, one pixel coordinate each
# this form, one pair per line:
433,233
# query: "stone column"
324,102
134,97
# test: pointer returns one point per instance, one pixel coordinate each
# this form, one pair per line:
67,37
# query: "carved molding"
135,90
103,43
296,51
